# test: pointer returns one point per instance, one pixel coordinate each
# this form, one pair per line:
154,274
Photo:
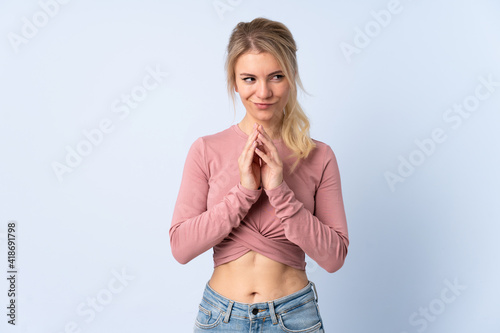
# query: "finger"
269,161
251,138
249,154
267,144
261,129
261,145
256,158
269,148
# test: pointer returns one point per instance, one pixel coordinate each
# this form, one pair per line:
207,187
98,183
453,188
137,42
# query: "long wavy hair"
264,35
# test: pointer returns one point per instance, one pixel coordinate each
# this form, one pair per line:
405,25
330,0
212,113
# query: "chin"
264,117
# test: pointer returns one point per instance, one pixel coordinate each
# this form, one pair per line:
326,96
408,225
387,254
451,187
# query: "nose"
263,90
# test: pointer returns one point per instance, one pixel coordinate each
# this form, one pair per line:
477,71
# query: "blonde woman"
261,193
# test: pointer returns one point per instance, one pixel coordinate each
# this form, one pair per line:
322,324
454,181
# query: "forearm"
326,242
193,233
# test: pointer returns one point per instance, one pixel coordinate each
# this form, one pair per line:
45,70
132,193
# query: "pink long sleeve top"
304,214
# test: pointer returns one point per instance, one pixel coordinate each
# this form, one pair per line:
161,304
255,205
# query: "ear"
236,88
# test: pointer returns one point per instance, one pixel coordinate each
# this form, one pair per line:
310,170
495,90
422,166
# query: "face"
262,86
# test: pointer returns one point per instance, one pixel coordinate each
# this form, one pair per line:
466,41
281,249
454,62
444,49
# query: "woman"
261,193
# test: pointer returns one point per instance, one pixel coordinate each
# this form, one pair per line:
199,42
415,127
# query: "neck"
271,128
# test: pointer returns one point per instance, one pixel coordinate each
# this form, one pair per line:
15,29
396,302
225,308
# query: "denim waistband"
246,310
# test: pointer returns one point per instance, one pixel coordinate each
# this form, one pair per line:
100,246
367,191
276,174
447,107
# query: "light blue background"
113,211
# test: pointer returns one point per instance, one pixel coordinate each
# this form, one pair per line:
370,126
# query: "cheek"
284,93
244,92
284,90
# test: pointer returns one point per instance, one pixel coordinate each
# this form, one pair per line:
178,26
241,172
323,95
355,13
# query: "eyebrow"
275,72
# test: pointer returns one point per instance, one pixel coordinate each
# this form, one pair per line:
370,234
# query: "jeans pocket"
304,319
208,316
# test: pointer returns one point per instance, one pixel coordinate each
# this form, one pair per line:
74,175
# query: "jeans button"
255,311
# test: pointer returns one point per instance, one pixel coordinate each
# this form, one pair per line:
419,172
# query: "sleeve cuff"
282,198
250,193
281,188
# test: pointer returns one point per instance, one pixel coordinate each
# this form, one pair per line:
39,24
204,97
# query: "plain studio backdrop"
100,102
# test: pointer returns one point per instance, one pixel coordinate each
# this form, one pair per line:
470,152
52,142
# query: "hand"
249,163
271,170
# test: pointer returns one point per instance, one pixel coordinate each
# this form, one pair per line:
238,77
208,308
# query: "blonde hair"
264,35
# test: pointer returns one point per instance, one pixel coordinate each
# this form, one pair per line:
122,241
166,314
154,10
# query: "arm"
195,229
322,236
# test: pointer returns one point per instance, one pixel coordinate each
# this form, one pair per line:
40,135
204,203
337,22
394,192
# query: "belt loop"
228,311
315,292
273,314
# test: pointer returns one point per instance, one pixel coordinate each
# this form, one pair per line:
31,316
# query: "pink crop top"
304,214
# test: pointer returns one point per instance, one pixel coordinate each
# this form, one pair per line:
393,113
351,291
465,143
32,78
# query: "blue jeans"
297,312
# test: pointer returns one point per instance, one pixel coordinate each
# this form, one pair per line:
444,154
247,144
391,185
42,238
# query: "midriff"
254,278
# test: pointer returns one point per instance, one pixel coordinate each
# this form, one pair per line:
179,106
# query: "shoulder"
212,143
223,136
322,148
323,155
320,144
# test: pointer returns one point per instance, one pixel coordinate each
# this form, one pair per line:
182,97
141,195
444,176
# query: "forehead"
255,63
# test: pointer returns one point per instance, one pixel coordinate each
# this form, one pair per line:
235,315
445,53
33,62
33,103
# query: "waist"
256,278
281,304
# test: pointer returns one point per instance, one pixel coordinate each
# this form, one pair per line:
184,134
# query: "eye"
248,79
279,77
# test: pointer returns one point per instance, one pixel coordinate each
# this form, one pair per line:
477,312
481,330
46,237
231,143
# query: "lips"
262,106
